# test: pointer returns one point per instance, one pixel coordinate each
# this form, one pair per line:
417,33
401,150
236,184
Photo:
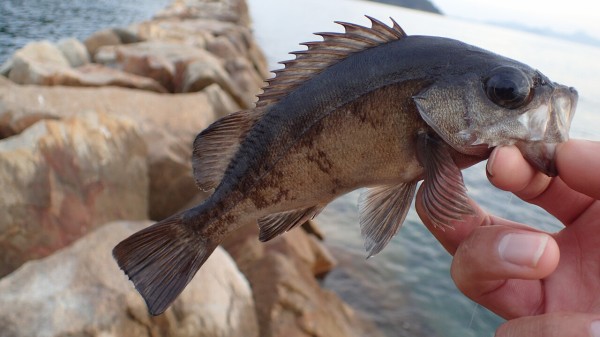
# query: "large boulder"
43,63
61,179
177,67
97,75
80,291
289,300
36,63
196,33
203,72
105,37
232,44
74,51
235,11
167,123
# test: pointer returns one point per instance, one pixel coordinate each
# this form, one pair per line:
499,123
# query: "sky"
564,16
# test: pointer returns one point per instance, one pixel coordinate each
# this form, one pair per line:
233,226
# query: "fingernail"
490,163
522,249
595,328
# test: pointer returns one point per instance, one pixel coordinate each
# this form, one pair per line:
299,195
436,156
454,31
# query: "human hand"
515,270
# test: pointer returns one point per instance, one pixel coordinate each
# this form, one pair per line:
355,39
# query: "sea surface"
407,290
23,21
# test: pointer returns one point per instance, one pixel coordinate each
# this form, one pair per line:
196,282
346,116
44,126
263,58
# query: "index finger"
461,229
566,196
578,163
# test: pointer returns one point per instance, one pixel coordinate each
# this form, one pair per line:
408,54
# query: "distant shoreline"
421,5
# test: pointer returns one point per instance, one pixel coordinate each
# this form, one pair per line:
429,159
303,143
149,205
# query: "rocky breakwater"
95,143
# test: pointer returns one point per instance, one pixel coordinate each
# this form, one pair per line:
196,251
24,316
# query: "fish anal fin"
161,260
444,194
382,211
216,145
278,223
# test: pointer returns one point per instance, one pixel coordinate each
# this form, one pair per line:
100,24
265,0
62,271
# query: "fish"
369,107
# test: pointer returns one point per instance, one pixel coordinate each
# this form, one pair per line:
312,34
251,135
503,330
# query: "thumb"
502,266
552,325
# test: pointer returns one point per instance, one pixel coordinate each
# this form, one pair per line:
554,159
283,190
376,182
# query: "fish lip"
540,155
549,130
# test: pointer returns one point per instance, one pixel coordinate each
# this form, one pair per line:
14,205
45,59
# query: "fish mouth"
548,126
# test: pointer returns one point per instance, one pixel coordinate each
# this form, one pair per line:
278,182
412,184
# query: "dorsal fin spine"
322,54
394,31
397,28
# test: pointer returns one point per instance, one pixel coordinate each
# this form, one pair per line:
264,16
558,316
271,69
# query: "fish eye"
508,87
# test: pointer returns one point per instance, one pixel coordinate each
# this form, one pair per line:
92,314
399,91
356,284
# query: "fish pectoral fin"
217,144
279,223
382,211
444,194
161,260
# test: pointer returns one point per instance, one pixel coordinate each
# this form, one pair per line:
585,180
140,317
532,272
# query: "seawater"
23,21
407,290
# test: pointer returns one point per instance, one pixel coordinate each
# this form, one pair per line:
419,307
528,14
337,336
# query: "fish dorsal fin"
216,145
322,54
279,223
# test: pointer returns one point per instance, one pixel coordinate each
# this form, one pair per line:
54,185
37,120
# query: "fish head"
497,103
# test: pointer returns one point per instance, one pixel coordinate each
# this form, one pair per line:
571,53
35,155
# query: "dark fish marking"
320,158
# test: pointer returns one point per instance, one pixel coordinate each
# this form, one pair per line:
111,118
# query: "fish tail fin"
162,259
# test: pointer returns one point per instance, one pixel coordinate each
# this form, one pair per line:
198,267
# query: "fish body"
372,108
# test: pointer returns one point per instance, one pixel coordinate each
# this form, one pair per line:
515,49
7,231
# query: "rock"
61,179
195,33
168,63
235,11
311,227
38,71
106,37
167,123
289,300
228,44
127,36
246,79
107,55
6,67
97,75
224,40
36,63
80,291
242,40
297,244
74,51
160,61
209,70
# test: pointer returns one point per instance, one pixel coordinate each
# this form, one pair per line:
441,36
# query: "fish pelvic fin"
382,210
278,223
334,48
161,260
217,144
444,194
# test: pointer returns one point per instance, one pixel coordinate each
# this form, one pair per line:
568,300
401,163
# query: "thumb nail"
523,249
490,163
